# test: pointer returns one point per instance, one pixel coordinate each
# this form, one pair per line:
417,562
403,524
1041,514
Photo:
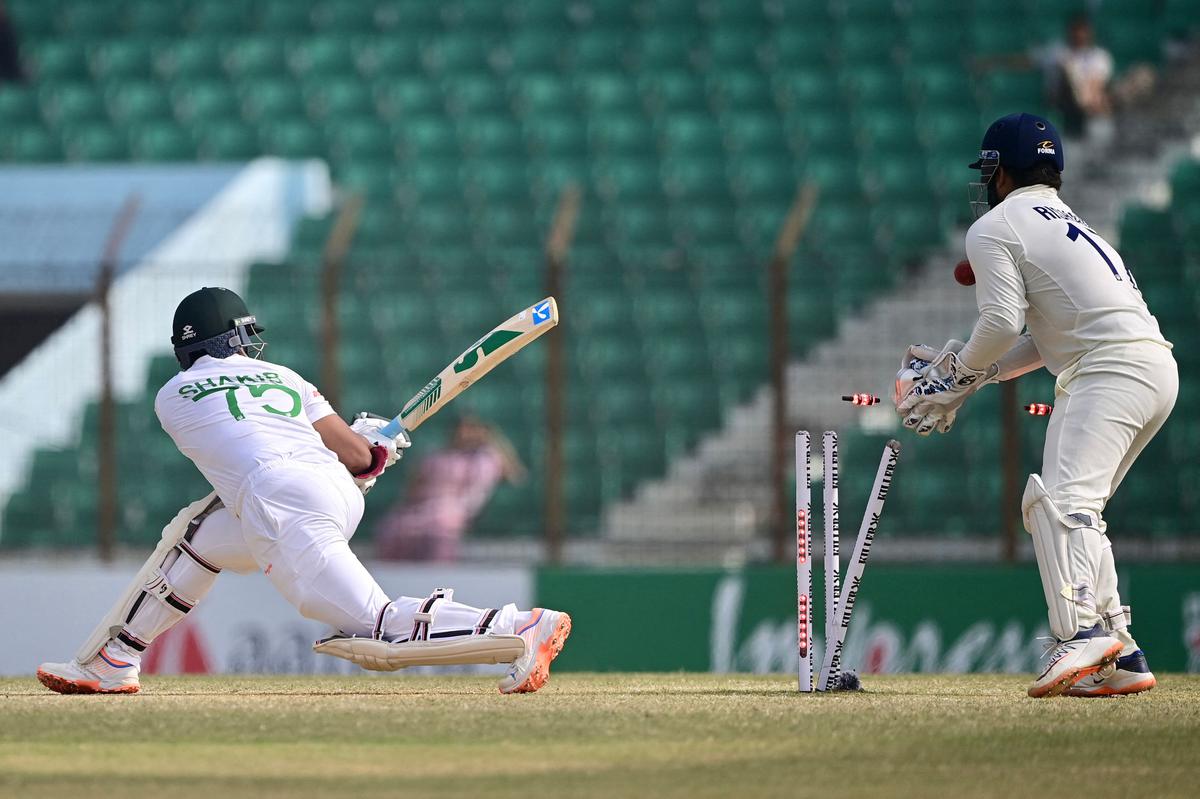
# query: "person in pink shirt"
449,490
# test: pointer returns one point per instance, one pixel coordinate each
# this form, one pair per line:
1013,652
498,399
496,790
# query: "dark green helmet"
215,322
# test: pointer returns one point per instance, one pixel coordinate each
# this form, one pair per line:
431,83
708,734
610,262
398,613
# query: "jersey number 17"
1073,233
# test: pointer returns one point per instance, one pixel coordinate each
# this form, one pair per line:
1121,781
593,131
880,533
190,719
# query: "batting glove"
384,451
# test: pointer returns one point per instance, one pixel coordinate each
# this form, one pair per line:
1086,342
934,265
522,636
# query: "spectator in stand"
1080,82
1078,74
449,490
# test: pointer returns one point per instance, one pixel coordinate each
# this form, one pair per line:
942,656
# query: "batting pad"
383,656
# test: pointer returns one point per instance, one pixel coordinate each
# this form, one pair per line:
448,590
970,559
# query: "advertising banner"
242,626
948,618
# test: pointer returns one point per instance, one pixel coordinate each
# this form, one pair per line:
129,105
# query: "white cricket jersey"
231,416
1039,265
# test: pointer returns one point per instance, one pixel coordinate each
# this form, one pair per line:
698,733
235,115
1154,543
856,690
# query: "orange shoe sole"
1069,678
540,674
64,686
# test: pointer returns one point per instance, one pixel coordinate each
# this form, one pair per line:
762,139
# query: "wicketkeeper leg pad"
1114,617
1069,549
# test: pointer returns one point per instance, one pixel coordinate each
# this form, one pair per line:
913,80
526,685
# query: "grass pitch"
596,735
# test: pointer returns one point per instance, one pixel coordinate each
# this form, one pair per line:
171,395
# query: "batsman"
1052,292
289,478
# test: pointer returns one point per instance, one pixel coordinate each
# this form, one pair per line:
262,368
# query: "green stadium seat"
666,47
757,133
218,17
401,98
257,58
344,16
805,46
321,58
161,141
456,53
123,59
192,58
72,103
18,105
429,137
628,178
94,141
28,143
691,134
867,44
56,61
336,99
621,134
474,94
283,17
88,20
496,181
928,45
808,90
542,92
292,138
675,90
492,137
389,56
272,99
695,178
34,19
227,140
740,91
605,92
131,103
535,51
360,139
763,179
555,134
885,131
1016,89
595,50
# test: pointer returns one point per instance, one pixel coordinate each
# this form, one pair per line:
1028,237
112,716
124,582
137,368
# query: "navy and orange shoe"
1087,653
107,673
1129,675
544,634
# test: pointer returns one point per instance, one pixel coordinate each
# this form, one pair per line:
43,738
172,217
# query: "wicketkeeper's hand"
384,451
932,386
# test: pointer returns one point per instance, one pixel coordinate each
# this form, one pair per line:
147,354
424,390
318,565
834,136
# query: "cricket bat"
476,361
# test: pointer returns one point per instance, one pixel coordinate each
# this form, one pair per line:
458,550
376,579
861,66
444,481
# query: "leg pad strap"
1117,619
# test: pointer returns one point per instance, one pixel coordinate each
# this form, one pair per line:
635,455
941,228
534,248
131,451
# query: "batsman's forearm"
1021,359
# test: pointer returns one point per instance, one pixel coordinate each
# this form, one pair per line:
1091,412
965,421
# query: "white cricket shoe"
1070,661
1129,675
106,673
544,634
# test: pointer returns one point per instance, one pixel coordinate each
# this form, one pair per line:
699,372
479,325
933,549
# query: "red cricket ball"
964,274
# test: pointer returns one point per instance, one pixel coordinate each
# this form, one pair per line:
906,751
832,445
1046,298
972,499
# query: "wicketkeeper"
1040,268
289,478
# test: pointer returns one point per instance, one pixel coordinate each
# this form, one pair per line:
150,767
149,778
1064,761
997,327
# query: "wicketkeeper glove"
384,451
929,391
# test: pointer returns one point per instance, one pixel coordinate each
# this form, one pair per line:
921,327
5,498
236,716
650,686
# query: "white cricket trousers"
1107,407
297,521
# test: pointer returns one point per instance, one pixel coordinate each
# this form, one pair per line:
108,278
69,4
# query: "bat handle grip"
392,428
